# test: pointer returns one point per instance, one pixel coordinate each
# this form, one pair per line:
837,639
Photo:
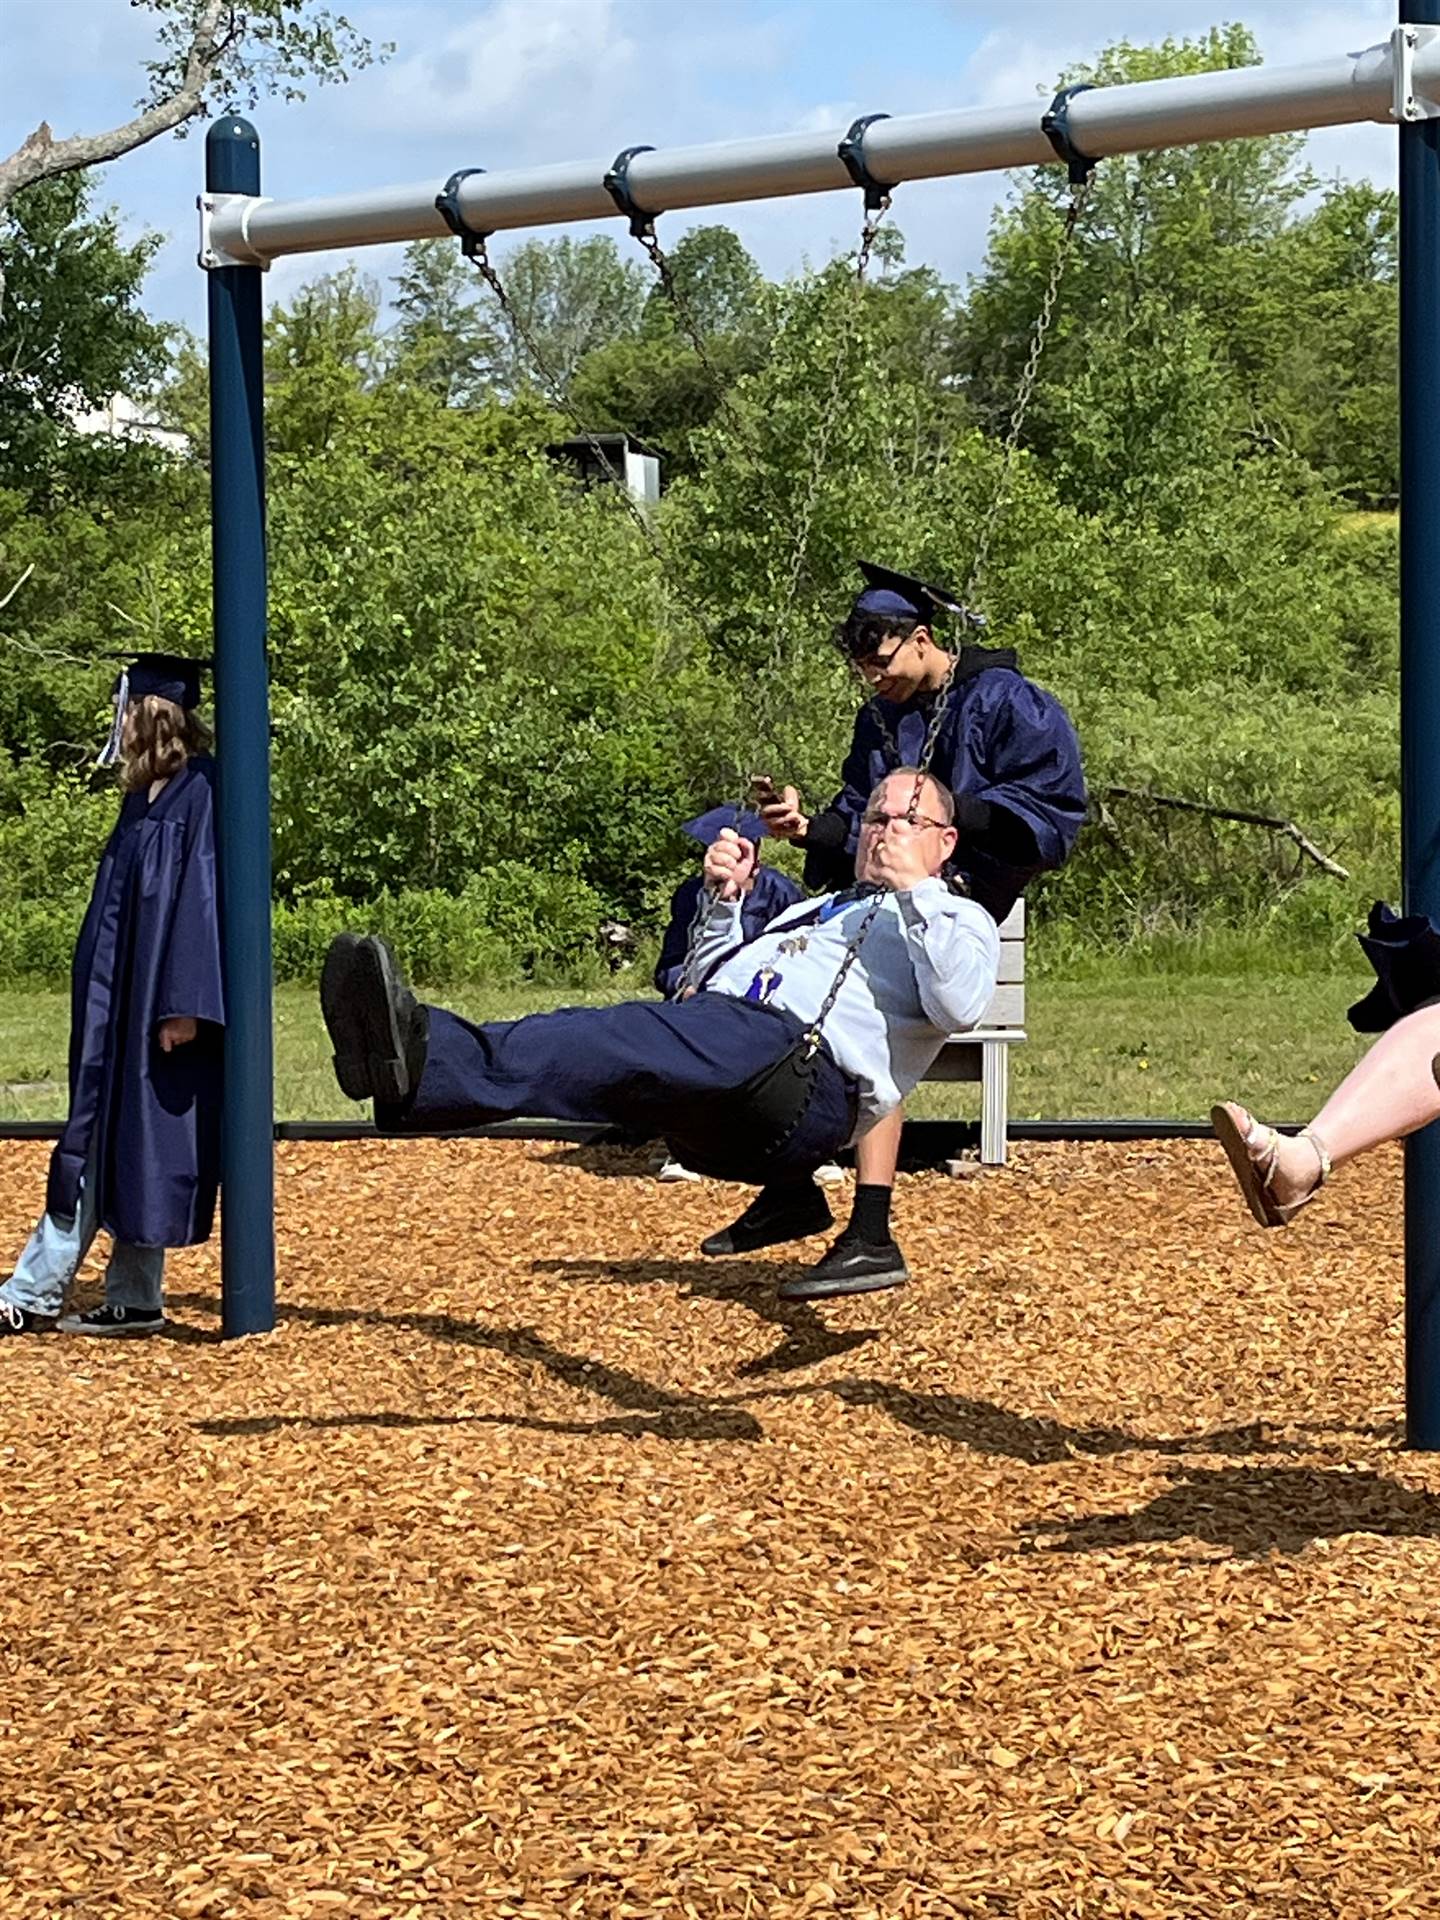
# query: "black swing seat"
739,1135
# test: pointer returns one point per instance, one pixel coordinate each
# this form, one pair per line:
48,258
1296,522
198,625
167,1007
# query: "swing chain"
874,219
1024,395
478,251
1010,447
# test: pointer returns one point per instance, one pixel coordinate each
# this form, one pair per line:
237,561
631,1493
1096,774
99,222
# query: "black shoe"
850,1266
377,1027
115,1323
20,1320
788,1213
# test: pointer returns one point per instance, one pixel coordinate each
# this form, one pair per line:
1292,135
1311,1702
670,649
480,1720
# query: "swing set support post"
242,712
1420,703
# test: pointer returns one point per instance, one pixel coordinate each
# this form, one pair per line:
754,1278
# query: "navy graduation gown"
771,894
149,950
1004,742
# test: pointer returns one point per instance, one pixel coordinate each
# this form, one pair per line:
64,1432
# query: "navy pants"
655,1067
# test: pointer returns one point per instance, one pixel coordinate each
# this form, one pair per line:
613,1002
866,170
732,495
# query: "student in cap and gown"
1007,750
140,1154
771,892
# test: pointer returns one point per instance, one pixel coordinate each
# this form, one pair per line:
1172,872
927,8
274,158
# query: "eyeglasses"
877,662
869,662
875,817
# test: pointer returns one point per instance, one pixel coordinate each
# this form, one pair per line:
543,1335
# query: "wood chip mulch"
536,1567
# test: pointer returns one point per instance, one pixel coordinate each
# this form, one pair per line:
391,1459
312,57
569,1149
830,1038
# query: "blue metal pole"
1420,701
242,703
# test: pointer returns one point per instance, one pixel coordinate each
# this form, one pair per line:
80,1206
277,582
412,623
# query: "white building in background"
122,418
624,459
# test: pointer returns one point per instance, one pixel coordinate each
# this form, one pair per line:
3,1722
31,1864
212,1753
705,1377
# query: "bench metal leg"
994,1102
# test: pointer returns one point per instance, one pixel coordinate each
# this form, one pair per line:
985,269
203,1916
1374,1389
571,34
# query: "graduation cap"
707,827
165,676
900,596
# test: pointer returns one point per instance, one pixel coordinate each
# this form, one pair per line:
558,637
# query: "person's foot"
1277,1173
115,1323
830,1175
852,1265
15,1319
377,1027
790,1213
673,1170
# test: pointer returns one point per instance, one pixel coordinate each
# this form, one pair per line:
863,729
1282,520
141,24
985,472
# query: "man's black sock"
870,1216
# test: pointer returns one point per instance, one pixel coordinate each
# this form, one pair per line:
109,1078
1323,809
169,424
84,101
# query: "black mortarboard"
165,676
902,596
707,827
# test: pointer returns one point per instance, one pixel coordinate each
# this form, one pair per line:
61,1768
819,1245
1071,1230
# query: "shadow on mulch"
607,1162
680,1423
1254,1512
671,1415
1038,1440
807,1340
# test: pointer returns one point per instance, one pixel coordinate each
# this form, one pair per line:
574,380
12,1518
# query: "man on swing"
1009,754
783,1055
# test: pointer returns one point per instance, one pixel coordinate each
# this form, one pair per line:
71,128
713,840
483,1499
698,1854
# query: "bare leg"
877,1153
1392,1092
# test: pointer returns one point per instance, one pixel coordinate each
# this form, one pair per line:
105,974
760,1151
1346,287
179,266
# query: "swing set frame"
242,231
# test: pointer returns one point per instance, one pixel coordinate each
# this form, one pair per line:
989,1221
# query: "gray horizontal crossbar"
1232,104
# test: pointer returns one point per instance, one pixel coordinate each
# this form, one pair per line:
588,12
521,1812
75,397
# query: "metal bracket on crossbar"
447,205
1055,125
617,185
211,256
1406,103
851,152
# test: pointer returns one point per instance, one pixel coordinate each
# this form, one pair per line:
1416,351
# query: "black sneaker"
20,1320
775,1214
850,1266
377,1027
115,1323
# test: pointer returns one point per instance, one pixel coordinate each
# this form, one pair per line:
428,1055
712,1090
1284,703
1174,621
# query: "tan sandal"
1237,1131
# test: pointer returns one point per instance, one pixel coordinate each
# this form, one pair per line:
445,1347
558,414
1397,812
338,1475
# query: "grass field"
1120,1041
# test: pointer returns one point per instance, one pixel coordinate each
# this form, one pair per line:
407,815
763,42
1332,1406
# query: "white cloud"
515,64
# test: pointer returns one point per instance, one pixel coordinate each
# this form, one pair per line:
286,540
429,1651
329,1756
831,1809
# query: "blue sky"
524,82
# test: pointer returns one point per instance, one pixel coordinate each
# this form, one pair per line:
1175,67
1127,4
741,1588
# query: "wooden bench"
983,1054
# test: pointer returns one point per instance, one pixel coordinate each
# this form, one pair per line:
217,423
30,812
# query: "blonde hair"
157,738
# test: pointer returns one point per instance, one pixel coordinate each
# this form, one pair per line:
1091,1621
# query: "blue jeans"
135,1276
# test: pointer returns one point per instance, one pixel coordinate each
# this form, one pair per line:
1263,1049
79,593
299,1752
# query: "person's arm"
729,874
190,987
1030,804
955,951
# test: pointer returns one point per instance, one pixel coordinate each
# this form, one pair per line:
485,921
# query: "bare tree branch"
40,156
17,586
1275,825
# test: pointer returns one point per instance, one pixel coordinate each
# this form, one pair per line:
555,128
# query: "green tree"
323,353
442,340
569,297
715,279
1169,226
72,333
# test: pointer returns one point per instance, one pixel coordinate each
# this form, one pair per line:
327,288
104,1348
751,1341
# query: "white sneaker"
673,1170
829,1175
